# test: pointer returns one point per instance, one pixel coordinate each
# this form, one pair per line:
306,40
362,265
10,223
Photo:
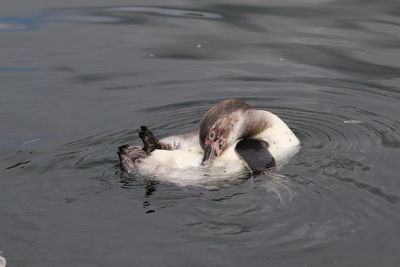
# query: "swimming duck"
232,138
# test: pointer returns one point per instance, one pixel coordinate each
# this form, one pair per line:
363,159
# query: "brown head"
217,125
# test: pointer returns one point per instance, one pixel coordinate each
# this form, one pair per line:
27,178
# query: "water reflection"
127,14
330,58
20,24
165,12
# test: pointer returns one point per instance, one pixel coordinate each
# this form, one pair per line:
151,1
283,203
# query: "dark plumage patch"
150,143
256,154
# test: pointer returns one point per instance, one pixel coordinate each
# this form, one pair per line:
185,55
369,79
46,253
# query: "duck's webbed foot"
150,143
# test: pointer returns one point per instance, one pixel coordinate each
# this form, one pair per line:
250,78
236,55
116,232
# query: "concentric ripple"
332,182
338,150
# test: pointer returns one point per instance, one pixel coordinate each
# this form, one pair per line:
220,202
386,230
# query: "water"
78,78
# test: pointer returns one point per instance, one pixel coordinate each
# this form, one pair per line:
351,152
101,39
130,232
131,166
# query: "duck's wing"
255,153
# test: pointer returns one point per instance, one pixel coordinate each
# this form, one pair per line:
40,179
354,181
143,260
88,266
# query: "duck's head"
220,127
215,141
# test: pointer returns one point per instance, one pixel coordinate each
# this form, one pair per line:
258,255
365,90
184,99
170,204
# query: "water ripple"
165,12
125,14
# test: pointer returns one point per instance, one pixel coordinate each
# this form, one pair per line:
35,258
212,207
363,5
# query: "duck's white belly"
283,144
184,167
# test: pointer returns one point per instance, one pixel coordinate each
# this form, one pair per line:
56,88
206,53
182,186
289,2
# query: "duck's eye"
212,134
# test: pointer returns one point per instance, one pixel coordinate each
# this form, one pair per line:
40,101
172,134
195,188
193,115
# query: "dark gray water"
77,79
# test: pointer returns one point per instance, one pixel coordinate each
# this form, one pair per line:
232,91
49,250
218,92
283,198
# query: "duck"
233,140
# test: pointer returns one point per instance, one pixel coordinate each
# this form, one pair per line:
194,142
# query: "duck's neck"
254,122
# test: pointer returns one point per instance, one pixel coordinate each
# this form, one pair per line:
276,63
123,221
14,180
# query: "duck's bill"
209,155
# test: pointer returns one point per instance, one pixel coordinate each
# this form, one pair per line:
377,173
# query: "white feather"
183,164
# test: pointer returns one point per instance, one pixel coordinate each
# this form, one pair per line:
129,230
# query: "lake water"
78,78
